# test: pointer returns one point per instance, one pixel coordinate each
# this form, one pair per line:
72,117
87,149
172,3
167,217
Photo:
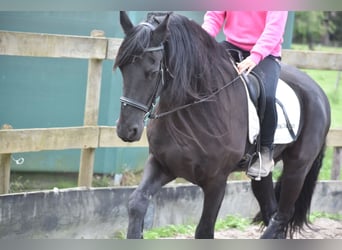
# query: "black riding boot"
263,165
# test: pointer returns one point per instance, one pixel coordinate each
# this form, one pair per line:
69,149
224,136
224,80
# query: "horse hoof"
275,230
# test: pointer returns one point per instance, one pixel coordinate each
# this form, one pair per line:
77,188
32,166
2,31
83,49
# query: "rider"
258,36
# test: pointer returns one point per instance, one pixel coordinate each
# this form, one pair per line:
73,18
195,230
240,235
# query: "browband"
148,25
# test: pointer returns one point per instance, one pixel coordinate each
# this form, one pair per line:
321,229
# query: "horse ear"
160,34
125,22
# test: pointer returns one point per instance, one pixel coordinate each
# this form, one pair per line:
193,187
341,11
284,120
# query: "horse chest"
187,161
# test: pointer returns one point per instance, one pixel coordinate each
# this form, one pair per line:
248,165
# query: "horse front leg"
153,179
213,196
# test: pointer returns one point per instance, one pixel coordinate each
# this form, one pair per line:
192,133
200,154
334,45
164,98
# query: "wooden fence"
97,48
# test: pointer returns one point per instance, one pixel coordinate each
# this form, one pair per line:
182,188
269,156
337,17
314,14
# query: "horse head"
140,59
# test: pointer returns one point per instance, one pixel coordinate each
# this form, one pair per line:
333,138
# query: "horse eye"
151,74
134,58
151,60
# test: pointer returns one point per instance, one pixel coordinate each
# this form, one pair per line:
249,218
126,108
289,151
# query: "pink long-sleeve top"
259,32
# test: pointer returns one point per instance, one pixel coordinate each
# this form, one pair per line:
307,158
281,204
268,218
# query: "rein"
151,115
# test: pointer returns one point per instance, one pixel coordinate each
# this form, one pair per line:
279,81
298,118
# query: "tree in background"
336,36
312,27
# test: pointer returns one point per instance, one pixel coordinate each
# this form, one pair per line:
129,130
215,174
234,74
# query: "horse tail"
300,217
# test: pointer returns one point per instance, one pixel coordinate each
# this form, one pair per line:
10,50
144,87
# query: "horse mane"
195,59
200,66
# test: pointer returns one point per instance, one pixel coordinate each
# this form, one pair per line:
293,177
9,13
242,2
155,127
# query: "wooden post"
337,163
337,83
91,115
5,168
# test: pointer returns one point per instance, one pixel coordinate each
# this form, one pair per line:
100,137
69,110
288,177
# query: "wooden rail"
85,137
97,48
59,46
334,140
313,59
84,47
38,139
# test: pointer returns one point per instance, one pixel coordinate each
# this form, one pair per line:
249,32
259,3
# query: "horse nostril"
133,132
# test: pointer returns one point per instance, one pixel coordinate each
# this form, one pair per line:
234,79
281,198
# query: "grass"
327,80
229,222
317,215
169,231
174,230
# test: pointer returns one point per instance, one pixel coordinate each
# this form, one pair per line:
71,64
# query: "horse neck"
214,94
204,124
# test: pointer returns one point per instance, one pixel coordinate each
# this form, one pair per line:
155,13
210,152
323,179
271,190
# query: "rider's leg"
269,71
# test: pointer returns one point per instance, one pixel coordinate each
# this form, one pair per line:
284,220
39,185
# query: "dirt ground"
322,229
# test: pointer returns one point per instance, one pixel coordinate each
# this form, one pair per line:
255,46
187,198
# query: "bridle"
149,110
160,81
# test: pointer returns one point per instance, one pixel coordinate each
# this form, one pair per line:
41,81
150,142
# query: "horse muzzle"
129,132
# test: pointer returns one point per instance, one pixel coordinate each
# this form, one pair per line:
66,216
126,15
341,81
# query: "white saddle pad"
289,100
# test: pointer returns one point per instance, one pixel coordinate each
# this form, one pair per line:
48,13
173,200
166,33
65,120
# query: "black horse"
198,128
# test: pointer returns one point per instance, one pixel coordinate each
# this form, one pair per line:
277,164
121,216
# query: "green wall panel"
45,92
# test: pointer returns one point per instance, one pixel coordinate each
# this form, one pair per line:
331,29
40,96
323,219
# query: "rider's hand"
246,65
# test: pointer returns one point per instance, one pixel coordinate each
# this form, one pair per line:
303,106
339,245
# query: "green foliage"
327,80
313,26
308,22
102,181
232,222
169,231
24,182
119,235
336,17
229,222
315,215
19,185
173,230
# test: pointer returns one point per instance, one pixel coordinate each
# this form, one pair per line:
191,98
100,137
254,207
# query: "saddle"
257,98
256,92
287,105
257,95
